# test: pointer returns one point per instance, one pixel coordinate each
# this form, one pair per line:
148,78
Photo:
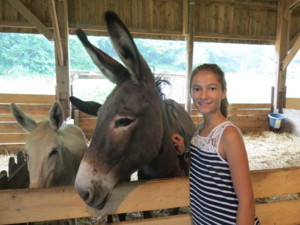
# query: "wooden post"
189,37
284,51
62,55
282,39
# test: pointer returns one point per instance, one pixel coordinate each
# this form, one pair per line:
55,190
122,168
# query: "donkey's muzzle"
93,197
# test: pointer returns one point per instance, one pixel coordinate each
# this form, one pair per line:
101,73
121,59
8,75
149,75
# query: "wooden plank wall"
64,202
12,136
235,19
248,21
248,117
293,103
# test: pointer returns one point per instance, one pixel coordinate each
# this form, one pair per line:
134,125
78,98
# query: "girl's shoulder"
231,131
231,135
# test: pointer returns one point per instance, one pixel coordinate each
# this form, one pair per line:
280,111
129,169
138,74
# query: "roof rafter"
286,61
56,32
31,18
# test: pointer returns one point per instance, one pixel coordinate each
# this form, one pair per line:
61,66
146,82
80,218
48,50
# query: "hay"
269,150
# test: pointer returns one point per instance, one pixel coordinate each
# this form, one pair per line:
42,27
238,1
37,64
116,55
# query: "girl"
220,183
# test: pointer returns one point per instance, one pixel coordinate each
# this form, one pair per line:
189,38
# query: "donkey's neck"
166,163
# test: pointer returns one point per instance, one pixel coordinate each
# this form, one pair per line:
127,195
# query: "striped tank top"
212,196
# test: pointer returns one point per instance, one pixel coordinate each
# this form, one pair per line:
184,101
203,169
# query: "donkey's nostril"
84,192
87,195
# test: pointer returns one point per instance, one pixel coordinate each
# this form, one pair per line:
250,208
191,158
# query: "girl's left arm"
234,150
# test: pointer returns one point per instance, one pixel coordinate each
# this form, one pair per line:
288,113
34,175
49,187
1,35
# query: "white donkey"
54,149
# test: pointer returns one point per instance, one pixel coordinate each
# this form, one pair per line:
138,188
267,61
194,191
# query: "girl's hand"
178,143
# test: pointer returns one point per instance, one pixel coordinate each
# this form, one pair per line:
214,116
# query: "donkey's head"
129,130
42,144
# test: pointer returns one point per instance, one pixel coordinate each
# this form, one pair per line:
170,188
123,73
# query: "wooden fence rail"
28,205
248,117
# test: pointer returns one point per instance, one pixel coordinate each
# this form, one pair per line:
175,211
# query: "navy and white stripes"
213,200
212,196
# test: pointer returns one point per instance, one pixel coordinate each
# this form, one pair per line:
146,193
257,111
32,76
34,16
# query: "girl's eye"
212,88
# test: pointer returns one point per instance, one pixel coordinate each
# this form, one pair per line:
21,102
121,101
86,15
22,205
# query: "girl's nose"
203,94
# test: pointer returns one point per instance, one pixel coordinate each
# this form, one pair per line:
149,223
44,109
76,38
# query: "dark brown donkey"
134,125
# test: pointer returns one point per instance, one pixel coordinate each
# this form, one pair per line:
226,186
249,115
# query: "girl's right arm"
178,143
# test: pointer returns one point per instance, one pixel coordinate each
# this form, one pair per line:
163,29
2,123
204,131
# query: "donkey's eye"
123,122
53,152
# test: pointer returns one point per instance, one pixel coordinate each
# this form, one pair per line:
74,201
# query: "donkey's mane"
159,81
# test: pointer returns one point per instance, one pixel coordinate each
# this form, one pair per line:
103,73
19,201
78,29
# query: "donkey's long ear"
26,122
127,50
87,107
112,69
56,116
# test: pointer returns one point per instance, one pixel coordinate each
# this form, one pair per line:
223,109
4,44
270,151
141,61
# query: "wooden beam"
165,220
31,18
228,36
281,48
293,41
158,32
63,68
27,98
190,52
19,24
291,4
57,38
185,17
291,54
239,4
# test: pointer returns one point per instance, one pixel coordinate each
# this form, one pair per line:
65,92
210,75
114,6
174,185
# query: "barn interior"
274,154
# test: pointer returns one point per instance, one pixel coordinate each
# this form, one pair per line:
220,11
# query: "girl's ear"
224,94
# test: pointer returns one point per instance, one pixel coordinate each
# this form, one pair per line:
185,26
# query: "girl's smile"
207,92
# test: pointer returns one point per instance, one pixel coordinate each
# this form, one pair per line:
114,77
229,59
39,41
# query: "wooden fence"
27,205
248,117
12,136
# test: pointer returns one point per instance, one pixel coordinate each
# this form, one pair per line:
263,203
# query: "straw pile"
269,150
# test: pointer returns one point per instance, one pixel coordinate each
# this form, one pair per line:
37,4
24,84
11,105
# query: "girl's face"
207,92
